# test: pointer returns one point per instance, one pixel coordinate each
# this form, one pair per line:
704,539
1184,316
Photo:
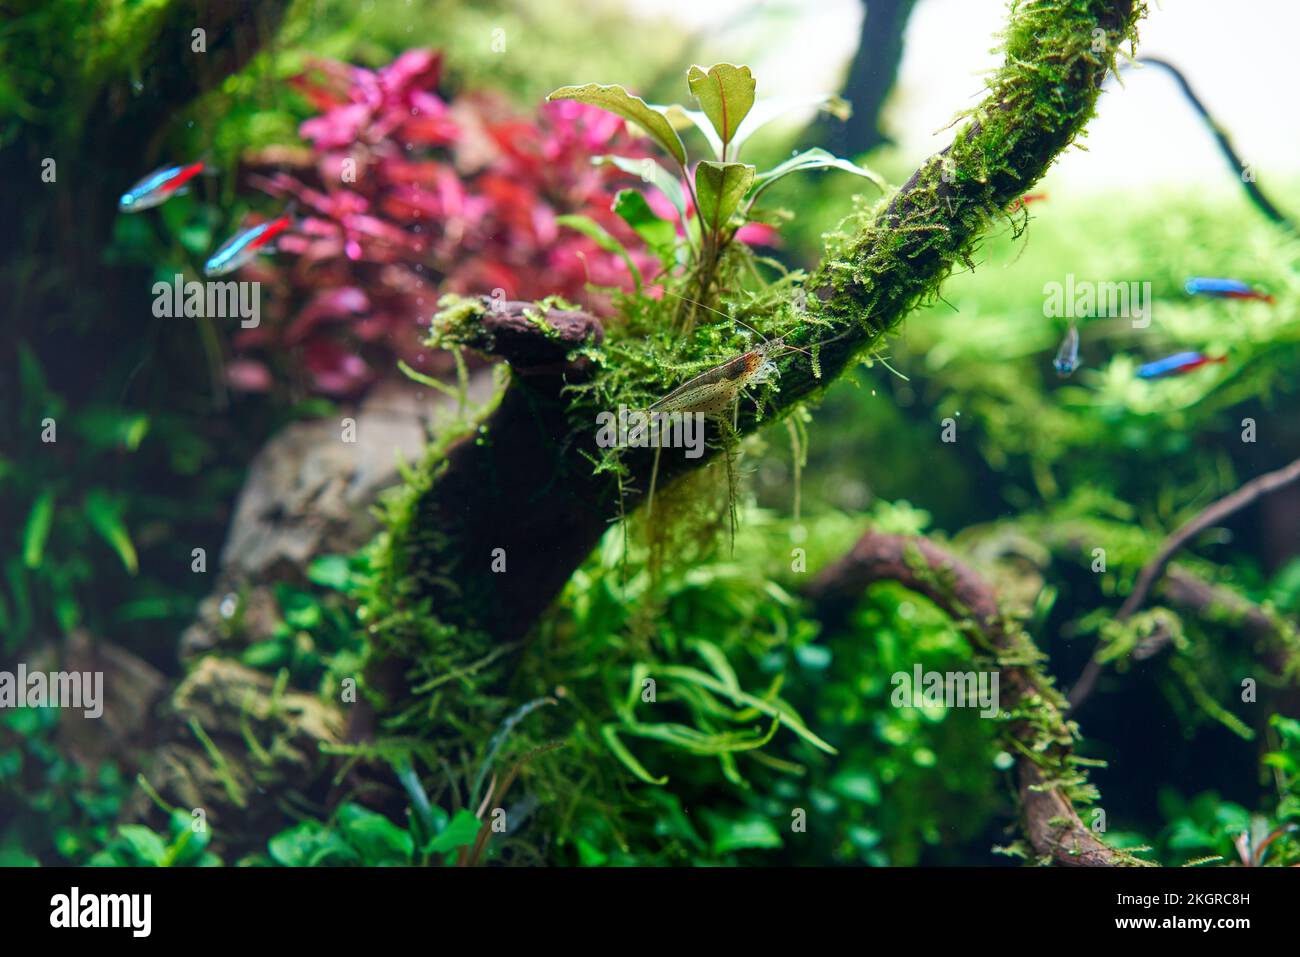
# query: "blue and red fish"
1177,364
246,244
1224,289
160,186
1025,201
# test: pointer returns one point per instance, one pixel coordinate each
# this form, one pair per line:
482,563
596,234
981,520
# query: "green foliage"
1207,828
725,94
617,100
70,515
355,836
885,796
184,845
53,807
316,639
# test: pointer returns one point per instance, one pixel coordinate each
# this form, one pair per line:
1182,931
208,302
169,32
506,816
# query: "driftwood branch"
1184,589
533,338
525,482
1240,168
1208,517
1051,822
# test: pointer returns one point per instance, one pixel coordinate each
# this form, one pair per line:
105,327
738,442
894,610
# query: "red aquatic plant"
404,195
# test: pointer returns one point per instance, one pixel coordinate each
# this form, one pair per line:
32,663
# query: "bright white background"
1240,55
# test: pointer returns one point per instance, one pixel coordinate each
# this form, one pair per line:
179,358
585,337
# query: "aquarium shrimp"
715,390
712,392
1224,289
245,245
160,186
1067,356
1176,364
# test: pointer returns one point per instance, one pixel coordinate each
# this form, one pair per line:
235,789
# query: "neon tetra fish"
1067,356
1025,200
245,245
1176,364
1224,289
159,186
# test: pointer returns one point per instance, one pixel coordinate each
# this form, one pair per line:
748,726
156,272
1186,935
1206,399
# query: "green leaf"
428,380
379,840
856,785
719,188
718,664
653,173
732,835
462,831
773,108
594,231
617,100
725,94
775,708
133,429
815,158
681,119
330,571
610,734
589,855
38,530
659,234
265,655
104,518
310,845
147,846
188,843
31,377
300,608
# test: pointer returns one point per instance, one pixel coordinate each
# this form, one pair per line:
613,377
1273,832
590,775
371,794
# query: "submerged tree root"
1038,732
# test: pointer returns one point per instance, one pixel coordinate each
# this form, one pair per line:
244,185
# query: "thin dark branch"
1183,589
1208,517
1239,166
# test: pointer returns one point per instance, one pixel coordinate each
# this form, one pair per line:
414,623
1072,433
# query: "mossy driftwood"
522,479
1050,777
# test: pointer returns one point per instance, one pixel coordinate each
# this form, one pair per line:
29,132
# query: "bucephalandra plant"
722,191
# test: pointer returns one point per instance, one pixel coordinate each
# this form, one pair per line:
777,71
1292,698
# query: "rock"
238,746
309,493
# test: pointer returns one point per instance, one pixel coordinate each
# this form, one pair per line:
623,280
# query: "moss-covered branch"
1038,732
524,485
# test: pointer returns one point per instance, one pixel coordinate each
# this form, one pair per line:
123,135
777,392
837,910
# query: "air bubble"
229,605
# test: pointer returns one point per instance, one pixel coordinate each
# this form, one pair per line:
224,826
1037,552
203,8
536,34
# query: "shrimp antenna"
734,319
